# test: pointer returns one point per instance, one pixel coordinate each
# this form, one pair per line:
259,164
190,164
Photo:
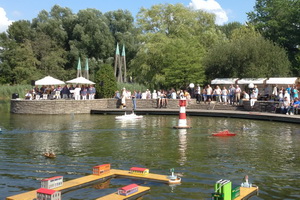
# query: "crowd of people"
77,92
161,96
233,95
288,97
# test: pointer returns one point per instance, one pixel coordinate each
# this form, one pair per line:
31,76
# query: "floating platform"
246,193
142,190
90,179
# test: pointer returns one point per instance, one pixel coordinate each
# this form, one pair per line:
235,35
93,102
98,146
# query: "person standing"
231,94
275,91
209,92
217,92
123,98
253,99
198,93
84,92
133,98
65,92
77,92
154,94
237,95
224,95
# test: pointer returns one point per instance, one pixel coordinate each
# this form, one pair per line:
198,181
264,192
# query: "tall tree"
279,21
121,25
106,83
174,41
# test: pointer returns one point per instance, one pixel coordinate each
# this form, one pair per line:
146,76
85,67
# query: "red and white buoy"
182,124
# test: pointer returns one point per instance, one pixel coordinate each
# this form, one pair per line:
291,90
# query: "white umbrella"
49,80
80,80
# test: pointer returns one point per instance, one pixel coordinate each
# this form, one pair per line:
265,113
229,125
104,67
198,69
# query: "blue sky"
226,10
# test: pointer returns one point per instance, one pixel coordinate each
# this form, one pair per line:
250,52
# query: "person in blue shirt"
295,105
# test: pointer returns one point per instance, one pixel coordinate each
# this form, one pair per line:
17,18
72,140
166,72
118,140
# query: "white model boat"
174,179
129,117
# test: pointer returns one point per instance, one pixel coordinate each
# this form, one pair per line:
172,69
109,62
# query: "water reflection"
267,151
182,135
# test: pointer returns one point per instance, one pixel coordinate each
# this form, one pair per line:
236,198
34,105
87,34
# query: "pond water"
266,151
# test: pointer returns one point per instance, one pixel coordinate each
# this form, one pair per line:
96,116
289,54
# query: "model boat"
128,117
224,134
174,179
49,155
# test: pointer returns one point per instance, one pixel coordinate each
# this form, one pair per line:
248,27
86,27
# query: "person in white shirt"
198,93
154,94
224,95
237,94
287,95
217,92
77,92
275,91
173,94
209,92
253,98
28,95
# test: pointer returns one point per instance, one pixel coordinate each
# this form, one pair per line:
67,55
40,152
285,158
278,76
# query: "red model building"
48,194
129,189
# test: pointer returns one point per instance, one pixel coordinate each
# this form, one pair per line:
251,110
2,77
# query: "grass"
6,91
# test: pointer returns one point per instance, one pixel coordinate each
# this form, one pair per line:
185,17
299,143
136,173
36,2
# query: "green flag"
79,65
87,64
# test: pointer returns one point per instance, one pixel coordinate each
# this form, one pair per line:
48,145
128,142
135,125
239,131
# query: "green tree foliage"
174,40
53,41
121,25
246,55
228,29
279,21
106,83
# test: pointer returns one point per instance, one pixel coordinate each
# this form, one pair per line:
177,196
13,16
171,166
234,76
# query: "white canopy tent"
81,80
49,80
251,80
224,81
282,81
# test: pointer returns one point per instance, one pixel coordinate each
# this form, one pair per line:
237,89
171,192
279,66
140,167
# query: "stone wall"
56,106
62,106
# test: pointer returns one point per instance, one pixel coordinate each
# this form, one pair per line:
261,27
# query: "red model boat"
224,134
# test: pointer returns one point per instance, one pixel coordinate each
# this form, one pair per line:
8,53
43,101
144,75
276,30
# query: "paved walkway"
211,113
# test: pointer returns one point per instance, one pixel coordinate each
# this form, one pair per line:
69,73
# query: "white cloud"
210,6
4,21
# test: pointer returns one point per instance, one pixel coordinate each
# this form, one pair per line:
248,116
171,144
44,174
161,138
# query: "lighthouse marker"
182,115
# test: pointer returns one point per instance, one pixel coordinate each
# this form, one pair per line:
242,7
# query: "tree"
20,31
19,63
246,55
121,25
91,35
106,84
52,57
279,21
174,41
228,29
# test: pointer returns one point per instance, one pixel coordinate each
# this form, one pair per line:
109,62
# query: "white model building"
50,183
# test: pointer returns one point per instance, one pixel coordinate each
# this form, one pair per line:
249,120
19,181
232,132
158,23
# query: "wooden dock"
114,196
87,180
246,193
150,176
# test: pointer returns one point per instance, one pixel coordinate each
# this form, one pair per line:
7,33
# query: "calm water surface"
267,151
